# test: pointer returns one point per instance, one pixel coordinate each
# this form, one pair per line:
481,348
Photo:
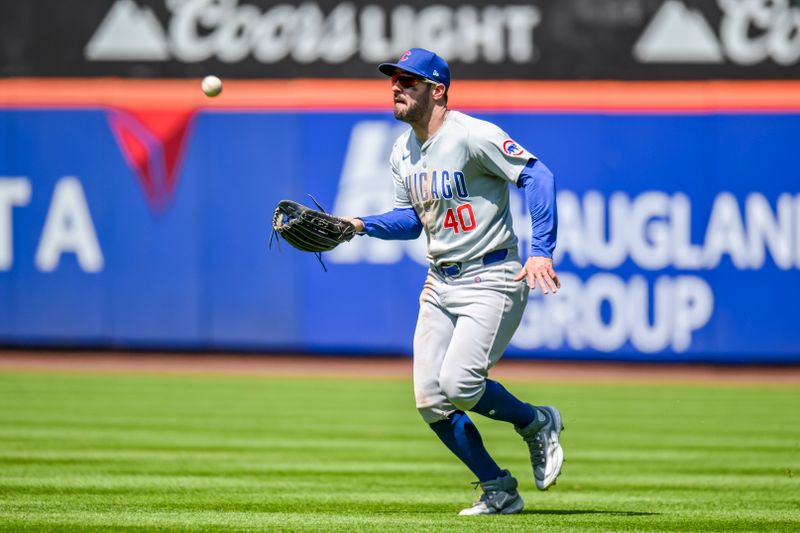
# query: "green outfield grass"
129,452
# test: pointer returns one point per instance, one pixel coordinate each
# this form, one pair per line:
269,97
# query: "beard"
415,110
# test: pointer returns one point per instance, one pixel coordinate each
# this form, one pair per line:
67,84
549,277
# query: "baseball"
211,85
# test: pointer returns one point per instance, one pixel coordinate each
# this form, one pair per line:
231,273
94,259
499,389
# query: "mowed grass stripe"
144,452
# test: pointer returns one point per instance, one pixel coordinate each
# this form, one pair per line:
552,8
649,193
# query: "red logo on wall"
153,142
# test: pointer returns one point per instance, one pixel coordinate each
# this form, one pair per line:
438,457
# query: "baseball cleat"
542,436
499,496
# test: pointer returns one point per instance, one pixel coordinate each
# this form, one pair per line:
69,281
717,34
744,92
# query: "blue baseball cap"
421,62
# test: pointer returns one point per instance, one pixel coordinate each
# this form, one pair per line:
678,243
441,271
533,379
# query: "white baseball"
211,85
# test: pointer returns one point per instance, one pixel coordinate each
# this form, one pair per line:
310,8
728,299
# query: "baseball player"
451,175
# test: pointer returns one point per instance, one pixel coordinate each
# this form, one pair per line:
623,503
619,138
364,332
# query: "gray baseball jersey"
457,181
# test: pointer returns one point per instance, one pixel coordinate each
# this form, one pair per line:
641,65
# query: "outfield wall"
138,219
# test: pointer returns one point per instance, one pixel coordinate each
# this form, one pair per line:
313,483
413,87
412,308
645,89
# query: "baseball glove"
310,230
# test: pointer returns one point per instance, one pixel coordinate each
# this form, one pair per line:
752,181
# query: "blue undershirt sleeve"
398,224
540,197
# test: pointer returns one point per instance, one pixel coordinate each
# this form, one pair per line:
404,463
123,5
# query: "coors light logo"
230,31
750,32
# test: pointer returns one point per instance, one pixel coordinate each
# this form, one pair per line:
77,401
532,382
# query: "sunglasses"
406,81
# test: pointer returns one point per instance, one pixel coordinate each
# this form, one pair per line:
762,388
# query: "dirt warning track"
385,367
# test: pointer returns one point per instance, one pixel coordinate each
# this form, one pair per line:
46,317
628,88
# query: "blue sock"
499,404
460,435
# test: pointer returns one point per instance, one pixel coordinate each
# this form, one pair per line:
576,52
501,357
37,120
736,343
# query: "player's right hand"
357,222
540,270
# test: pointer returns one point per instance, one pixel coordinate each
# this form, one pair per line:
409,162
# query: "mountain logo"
128,33
678,34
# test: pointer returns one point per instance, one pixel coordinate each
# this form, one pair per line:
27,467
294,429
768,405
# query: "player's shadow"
586,511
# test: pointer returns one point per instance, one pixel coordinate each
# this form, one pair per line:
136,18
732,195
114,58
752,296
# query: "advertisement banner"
532,39
679,234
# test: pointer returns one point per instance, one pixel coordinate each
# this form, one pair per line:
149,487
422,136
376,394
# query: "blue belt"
453,269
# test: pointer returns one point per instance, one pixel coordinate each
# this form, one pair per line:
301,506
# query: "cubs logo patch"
405,56
512,148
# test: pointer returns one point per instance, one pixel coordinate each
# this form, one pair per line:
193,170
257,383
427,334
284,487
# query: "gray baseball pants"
464,325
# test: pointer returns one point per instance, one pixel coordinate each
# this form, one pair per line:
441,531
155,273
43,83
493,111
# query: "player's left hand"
540,269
